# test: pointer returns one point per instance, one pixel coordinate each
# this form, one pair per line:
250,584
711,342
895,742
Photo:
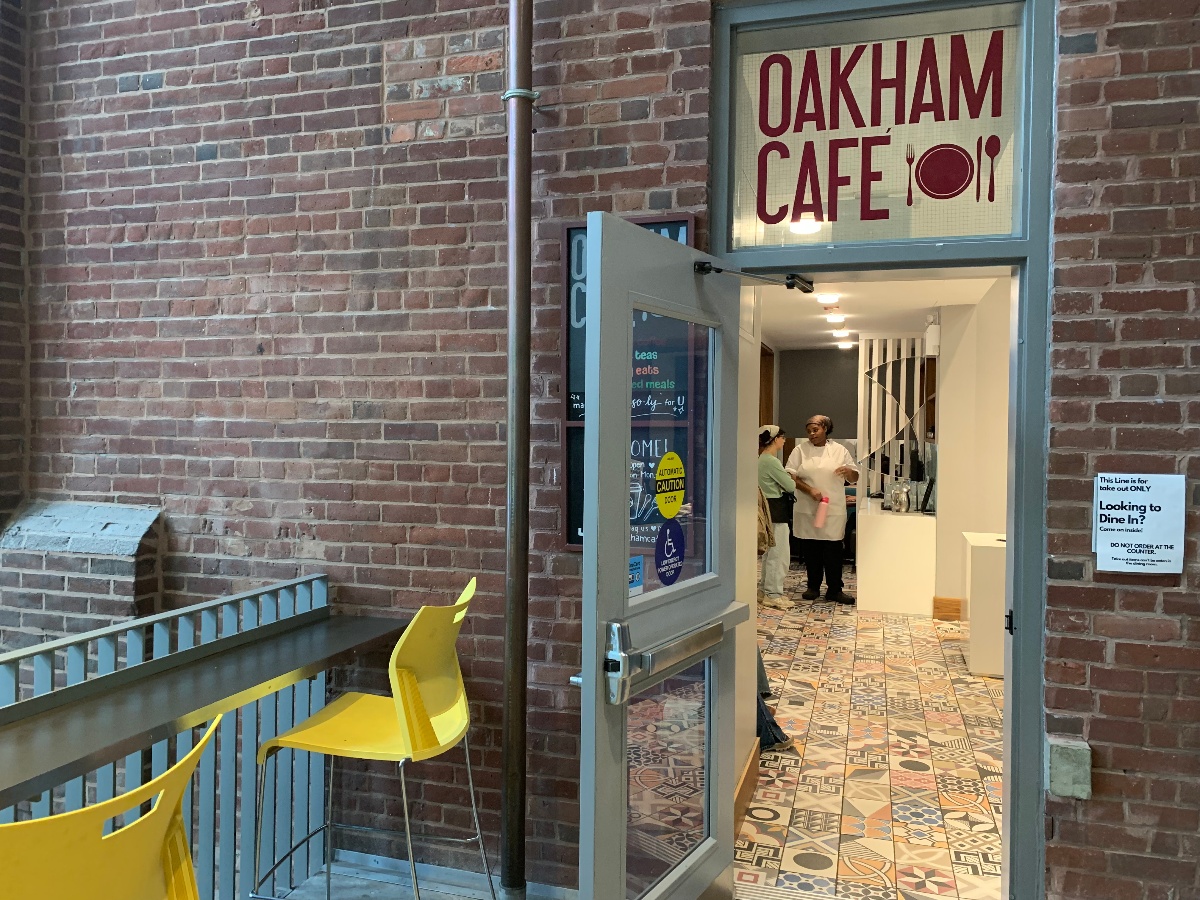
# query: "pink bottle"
821,513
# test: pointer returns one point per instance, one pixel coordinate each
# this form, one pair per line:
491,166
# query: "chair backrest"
427,684
70,856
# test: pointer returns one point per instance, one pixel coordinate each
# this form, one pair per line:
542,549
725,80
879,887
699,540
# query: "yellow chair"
425,716
69,857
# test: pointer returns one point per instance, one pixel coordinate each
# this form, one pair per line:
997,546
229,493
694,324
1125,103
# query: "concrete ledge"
70,526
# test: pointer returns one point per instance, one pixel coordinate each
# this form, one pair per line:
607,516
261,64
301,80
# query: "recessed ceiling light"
845,345
806,224
841,332
827,299
835,318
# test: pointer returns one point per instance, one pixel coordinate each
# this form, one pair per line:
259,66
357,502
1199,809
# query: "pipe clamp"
520,94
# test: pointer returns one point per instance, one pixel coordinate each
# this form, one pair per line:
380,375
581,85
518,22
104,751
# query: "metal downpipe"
518,100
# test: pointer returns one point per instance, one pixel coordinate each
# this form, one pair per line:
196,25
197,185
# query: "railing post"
135,654
206,790
248,717
106,664
227,748
9,675
185,640
76,674
160,647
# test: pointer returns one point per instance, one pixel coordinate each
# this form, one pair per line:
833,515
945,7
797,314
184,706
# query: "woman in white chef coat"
821,469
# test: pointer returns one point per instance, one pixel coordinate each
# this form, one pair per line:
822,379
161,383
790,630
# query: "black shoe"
839,597
811,594
766,695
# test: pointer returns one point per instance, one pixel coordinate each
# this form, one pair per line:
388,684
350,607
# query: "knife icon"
978,166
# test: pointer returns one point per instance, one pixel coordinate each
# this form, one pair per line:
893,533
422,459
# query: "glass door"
661,424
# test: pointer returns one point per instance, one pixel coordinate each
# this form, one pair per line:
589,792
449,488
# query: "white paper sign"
1138,523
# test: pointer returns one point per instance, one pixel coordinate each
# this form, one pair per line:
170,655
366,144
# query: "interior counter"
897,557
983,612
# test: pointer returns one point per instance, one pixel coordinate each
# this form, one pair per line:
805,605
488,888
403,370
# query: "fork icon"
910,154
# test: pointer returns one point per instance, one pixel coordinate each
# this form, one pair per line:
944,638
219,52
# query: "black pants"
823,558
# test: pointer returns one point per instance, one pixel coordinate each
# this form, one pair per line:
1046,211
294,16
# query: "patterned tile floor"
892,791
666,727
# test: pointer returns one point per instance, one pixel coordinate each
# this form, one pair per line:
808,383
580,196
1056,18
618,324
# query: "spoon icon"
992,149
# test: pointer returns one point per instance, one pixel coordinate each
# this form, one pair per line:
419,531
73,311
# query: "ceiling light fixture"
835,318
827,299
841,332
806,224
845,345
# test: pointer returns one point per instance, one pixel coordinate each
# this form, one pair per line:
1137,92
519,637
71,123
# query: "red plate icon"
944,171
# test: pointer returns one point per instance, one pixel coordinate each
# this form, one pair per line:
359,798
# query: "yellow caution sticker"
669,481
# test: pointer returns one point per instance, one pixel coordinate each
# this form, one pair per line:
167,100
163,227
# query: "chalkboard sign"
652,400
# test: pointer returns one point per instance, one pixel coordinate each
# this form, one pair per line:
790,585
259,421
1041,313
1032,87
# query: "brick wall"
267,270
66,568
267,291
13,379
1123,653
46,595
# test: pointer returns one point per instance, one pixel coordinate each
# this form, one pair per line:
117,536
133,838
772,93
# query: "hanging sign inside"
879,140
1138,523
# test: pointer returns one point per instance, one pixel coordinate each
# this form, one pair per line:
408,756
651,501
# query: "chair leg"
412,863
475,813
261,774
329,832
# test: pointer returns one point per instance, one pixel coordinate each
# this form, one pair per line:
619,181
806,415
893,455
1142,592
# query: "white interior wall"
972,429
992,315
746,536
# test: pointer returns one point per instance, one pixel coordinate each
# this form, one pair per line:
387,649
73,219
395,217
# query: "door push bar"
626,668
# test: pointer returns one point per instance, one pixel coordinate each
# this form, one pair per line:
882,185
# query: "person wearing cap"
776,485
822,469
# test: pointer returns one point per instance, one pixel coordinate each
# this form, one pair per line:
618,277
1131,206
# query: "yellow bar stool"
425,716
68,856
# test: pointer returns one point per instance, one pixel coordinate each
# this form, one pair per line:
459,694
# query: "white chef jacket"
816,465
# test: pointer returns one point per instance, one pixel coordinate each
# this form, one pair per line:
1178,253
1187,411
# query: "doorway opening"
894,787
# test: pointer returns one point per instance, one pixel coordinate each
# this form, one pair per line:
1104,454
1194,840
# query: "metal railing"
223,793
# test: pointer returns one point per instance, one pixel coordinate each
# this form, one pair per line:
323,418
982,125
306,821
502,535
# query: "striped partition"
891,408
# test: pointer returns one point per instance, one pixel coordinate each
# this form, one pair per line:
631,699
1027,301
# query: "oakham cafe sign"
881,140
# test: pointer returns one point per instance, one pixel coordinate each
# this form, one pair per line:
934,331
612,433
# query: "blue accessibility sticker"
668,552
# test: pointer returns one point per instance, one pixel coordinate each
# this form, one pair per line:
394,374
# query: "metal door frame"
1028,250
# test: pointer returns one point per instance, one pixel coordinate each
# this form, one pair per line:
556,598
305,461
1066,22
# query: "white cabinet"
897,555
983,608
